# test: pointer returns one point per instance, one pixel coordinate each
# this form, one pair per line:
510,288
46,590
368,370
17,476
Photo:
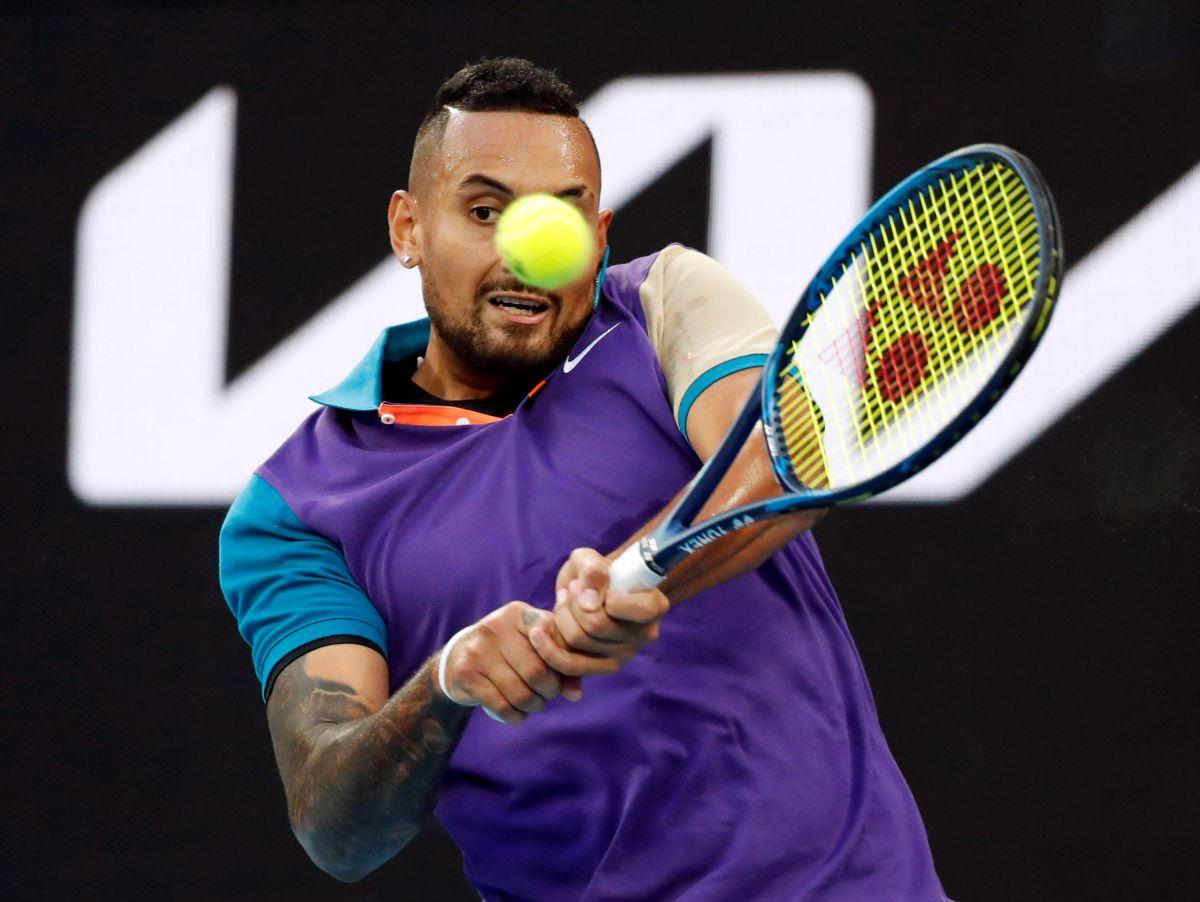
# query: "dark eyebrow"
477,179
487,182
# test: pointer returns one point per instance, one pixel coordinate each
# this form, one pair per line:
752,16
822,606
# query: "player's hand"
603,624
501,663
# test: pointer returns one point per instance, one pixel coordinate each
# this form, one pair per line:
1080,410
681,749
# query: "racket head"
913,328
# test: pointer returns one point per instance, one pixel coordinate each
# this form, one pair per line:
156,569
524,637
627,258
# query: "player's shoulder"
630,284
630,276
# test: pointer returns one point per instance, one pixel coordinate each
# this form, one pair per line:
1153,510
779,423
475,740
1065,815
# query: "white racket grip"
630,573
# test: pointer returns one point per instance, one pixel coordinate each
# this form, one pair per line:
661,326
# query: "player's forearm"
750,479
730,557
360,787
738,553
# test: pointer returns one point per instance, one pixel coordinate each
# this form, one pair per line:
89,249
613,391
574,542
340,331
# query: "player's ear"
602,222
402,228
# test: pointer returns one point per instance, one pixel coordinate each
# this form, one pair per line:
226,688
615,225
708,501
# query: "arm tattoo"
359,784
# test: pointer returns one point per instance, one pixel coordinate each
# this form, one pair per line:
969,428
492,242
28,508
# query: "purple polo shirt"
740,756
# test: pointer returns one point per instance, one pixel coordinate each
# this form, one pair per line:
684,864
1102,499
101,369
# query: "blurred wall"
194,238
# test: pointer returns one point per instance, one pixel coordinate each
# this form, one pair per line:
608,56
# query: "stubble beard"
499,352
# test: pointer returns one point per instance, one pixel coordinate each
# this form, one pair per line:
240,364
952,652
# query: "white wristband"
441,676
442,667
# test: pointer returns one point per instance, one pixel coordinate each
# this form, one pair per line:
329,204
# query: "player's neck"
445,376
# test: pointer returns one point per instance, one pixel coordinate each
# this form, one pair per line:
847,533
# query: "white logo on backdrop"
152,421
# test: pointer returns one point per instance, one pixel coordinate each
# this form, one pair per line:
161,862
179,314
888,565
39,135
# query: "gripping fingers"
534,672
570,662
585,574
479,688
482,667
638,607
594,631
517,693
467,682
574,636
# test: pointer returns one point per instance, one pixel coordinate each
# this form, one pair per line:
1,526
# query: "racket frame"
646,563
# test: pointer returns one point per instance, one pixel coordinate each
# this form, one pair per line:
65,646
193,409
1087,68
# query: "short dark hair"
504,84
499,84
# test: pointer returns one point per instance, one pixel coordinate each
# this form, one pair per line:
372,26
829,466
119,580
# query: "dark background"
1030,647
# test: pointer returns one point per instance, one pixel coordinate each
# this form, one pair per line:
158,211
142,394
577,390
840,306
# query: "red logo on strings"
904,363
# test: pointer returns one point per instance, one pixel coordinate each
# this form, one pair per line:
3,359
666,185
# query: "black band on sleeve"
310,646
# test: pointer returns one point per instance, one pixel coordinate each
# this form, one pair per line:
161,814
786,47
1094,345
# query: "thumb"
590,580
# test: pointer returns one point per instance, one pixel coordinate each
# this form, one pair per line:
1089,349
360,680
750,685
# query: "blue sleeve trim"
285,584
708,377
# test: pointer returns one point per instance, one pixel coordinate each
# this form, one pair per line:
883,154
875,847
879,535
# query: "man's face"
485,161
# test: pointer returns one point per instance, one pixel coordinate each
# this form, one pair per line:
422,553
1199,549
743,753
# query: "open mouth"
522,308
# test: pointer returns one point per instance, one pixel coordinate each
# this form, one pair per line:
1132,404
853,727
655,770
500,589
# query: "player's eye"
485,214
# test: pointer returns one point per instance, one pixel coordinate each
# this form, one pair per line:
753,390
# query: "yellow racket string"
937,295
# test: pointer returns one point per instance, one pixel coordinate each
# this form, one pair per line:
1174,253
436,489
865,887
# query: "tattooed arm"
361,770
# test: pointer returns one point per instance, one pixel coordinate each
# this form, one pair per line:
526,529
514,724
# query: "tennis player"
436,537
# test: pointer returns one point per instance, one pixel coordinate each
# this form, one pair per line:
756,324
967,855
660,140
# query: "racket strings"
917,344
923,310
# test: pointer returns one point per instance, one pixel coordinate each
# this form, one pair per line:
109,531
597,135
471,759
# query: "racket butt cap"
630,572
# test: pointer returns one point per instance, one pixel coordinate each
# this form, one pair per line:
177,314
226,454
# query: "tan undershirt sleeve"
704,324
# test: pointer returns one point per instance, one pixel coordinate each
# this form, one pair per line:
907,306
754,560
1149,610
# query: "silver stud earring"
404,261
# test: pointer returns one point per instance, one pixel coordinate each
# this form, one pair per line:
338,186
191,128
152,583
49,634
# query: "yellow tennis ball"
544,241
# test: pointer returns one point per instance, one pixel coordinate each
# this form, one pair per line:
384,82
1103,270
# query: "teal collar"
362,389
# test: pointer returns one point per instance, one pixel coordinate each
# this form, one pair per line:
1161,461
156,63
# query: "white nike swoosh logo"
570,364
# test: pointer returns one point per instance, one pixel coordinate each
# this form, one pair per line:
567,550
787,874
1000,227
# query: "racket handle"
630,572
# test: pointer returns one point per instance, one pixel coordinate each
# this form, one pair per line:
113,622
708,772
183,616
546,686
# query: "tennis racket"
908,334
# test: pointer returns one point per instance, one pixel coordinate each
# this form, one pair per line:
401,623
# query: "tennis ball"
544,241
